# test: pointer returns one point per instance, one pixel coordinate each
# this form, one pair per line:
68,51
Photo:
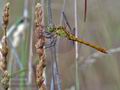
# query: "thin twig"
85,10
93,57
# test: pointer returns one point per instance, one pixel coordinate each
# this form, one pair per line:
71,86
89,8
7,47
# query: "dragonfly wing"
67,23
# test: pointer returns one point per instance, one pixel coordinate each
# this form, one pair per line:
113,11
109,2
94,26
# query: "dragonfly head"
50,29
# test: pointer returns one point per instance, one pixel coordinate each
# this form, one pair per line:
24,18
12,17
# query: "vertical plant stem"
24,58
39,45
53,54
51,84
76,47
55,70
4,49
30,47
63,9
10,66
85,10
22,61
49,12
24,46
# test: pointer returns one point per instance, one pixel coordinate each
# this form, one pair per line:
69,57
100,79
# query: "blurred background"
91,70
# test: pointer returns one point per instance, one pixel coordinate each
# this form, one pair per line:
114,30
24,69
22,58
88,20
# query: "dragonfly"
62,32
54,31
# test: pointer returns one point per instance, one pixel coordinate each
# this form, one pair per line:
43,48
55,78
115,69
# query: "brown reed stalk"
4,49
39,45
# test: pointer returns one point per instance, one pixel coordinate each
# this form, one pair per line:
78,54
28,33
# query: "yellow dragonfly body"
62,32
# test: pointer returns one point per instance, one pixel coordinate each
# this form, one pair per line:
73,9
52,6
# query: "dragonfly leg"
51,43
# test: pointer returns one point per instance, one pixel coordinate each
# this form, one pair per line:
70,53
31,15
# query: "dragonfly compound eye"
50,29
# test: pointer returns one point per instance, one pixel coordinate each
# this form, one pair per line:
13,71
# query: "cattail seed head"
39,45
4,49
6,15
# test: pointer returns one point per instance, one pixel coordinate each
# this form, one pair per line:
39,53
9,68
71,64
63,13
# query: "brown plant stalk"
39,45
4,49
